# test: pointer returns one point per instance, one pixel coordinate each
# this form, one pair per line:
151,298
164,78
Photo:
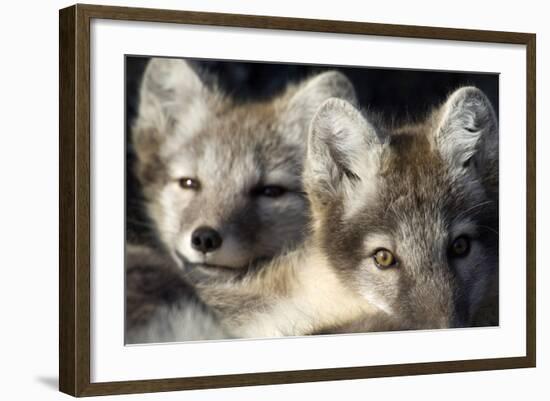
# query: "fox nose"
206,239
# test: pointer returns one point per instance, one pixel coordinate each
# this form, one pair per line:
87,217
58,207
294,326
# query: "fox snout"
444,320
436,307
213,245
205,239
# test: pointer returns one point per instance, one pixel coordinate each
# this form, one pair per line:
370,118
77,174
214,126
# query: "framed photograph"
249,200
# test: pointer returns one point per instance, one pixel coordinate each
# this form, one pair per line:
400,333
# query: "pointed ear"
467,129
170,91
309,96
343,150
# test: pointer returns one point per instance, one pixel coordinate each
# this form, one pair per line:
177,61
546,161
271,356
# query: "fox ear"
303,104
171,83
170,92
467,129
343,148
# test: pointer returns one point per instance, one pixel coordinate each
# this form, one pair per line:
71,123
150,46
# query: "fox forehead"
417,197
219,150
413,171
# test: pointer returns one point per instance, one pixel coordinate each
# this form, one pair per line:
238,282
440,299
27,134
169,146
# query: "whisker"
488,228
471,209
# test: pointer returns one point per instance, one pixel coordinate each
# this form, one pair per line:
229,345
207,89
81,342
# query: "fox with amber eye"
404,229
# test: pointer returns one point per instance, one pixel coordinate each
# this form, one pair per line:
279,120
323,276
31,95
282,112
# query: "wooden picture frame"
74,203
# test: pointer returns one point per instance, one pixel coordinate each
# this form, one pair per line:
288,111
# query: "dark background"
398,94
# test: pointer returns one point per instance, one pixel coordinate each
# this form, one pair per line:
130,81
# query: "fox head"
222,179
409,217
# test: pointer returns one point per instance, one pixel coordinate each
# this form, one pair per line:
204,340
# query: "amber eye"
270,191
189,183
460,246
384,258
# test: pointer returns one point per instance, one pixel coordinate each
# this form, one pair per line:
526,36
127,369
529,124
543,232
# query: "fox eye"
189,183
384,259
270,191
460,247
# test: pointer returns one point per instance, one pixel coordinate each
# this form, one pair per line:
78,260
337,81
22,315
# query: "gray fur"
160,305
188,129
401,190
185,128
422,194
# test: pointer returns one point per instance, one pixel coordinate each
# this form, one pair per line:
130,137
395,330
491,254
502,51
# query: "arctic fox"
404,233
222,183
222,179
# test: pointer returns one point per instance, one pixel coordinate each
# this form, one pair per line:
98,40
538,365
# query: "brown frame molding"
74,198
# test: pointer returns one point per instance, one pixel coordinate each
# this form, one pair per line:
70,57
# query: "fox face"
222,180
409,217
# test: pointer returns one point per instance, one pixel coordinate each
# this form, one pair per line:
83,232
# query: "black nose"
205,239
